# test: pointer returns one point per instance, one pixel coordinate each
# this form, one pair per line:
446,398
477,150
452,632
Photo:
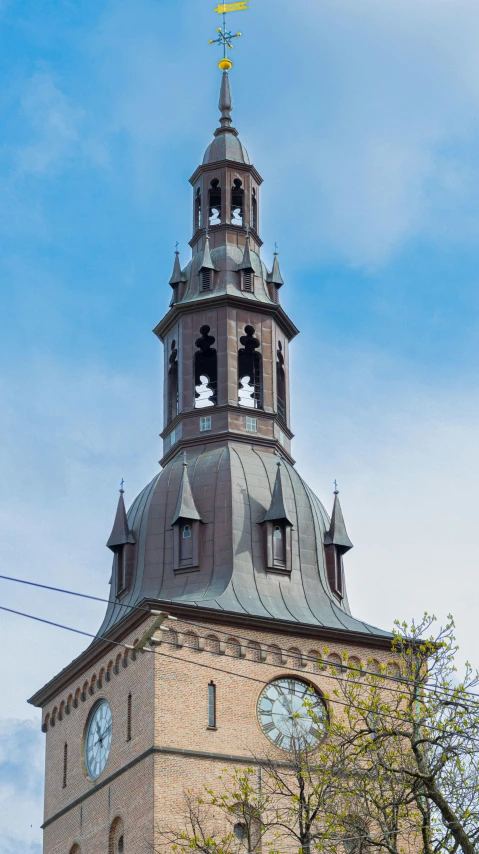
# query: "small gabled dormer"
275,280
122,544
177,280
246,269
207,269
186,528
277,529
336,544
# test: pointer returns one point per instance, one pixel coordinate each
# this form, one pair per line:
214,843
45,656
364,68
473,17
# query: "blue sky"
361,115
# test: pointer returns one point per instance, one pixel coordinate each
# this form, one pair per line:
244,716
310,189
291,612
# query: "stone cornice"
224,227
223,437
218,301
231,164
197,614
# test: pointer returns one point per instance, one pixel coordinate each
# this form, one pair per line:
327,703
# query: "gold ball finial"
225,64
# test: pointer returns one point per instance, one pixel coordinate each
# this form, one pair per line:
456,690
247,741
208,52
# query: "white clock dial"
284,717
98,739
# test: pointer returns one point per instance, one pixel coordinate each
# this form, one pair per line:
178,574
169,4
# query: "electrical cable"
385,676
205,666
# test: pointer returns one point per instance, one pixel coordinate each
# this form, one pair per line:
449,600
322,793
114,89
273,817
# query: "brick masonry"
171,747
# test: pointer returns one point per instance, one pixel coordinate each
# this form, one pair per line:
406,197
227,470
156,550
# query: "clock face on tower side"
98,739
284,717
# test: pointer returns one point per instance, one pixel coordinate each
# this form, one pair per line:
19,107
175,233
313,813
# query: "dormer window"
277,529
186,523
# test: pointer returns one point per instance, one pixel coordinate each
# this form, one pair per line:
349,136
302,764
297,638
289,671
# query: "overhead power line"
432,689
210,667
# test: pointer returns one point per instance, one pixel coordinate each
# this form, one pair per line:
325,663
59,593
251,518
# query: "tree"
410,743
398,770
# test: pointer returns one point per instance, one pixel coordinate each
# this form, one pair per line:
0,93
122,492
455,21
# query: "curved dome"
226,146
226,259
232,486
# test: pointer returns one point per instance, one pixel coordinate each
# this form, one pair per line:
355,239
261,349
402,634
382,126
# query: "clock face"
284,717
98,739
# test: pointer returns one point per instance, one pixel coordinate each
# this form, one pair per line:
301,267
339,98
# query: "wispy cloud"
56,124
21,786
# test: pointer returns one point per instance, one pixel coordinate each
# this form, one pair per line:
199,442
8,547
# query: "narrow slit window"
250,371
205,370
128,718
120,569
212,705
254,210
214,213
280,383
173,382
279,550
237,202
198,208
65,765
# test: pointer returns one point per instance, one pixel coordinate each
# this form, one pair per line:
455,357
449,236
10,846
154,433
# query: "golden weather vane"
224,36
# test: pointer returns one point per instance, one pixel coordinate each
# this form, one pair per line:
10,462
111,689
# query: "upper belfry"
226,335
226,185
229,525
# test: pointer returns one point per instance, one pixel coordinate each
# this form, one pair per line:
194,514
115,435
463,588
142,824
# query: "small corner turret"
336,544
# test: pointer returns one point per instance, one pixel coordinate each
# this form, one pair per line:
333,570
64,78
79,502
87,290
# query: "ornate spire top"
225,104
225,37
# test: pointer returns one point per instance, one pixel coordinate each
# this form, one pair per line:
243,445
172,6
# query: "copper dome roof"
232,487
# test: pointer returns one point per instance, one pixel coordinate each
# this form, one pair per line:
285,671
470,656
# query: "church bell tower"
228,574
226,336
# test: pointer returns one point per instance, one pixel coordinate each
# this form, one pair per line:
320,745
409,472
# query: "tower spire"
120,534
225,104
177,275
337,534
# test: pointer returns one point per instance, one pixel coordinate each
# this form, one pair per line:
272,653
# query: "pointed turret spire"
225,104
206,262
277,511
185,506
275,277
247,263
176,276
120,533
337,534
